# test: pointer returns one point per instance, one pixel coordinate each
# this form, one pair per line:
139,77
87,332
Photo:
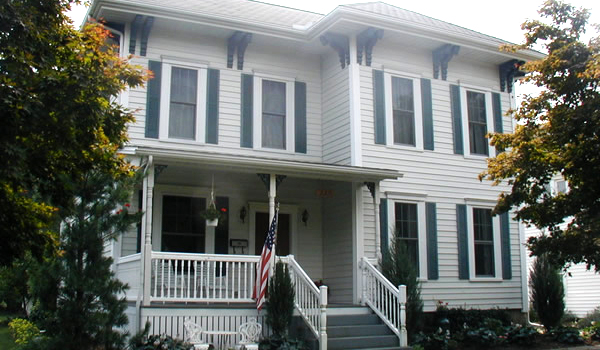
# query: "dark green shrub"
143,341
280,304
456,319
547,292
399,269
567,335
275,343
438,340
482,337
517,334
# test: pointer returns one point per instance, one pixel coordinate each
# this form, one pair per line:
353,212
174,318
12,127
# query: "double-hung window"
274,113
477,121
403,114
183,101
407,221
485,258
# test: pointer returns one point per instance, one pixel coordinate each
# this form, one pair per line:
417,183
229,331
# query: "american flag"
264,264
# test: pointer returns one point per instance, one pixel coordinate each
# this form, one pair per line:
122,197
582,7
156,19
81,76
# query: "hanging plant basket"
212,223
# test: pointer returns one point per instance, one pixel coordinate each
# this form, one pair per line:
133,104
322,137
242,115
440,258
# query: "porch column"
147,200
376,200
272,194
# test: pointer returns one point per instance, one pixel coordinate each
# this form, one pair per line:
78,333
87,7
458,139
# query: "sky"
501,19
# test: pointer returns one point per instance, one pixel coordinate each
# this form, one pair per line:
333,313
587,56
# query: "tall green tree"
58,119
557,132
78,300
547,291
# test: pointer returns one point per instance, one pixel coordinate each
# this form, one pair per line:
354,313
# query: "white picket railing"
202,277
387,301
311,302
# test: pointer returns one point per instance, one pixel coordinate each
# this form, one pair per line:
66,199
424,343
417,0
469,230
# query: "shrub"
590,318
567,335
280,304
438,340
399,269
456,319
592,332
275,342
23,331
516,334
547,292
482,337
143,341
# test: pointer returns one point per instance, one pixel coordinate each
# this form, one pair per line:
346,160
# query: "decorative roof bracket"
238,41
136,26
371,187
441,57
340,43
145,34
265,178
509,70
365,41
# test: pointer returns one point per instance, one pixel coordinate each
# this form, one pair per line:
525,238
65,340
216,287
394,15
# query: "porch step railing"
202,277
387,301
310,301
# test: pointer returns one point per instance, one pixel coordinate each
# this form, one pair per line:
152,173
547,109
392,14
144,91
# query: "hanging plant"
211,212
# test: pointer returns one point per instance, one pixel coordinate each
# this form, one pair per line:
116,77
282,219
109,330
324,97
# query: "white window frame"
419,200
289,112
471,204
389,112
489,119
165,99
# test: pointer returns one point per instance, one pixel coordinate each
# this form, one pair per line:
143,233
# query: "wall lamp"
305,216
243,213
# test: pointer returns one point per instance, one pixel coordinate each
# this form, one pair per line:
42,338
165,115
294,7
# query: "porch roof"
254,164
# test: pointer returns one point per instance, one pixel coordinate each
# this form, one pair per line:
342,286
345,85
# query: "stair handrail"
310,301
386,301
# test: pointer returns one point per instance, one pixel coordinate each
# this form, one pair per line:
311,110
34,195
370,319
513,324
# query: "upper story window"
476,111
403,111
477,120
183,103
274,111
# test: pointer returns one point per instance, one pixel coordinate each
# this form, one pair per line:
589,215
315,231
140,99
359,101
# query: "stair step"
351,320
358,330
363,342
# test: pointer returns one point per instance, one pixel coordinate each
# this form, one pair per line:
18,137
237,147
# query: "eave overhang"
338,16
251,164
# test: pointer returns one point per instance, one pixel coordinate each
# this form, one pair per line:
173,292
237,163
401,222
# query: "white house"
581,285
363,123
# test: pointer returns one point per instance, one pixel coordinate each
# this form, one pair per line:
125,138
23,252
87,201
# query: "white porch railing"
202,277
387,301
311,302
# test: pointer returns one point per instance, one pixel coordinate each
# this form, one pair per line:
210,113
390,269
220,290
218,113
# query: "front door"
261,226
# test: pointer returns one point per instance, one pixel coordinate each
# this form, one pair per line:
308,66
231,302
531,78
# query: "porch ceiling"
251,164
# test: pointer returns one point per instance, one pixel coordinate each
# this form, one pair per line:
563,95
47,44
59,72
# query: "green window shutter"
505,246
497,107
463,245
300,116
379,106
212,106
456,119
247,110
427,107
153,100
383,225
432,245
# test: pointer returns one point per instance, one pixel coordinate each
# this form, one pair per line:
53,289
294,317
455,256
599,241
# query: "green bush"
456,319
438,340
23,331
399,269
280,304
275,342
567,335
547,292
592,332
143,341
516,334
590,318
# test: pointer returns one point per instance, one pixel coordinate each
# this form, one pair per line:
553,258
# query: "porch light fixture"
305,216
243,213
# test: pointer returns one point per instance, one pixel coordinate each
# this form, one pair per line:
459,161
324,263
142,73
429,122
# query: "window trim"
419,200
389,112
290,141
473,204
165,99
489,119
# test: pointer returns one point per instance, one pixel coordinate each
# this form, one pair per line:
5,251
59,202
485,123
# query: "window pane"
484,242
182,111
273,114
403,109
183,229
407,229
477,122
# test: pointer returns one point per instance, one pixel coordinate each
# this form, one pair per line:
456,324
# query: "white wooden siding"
337,242
446,179
336,111
178,44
